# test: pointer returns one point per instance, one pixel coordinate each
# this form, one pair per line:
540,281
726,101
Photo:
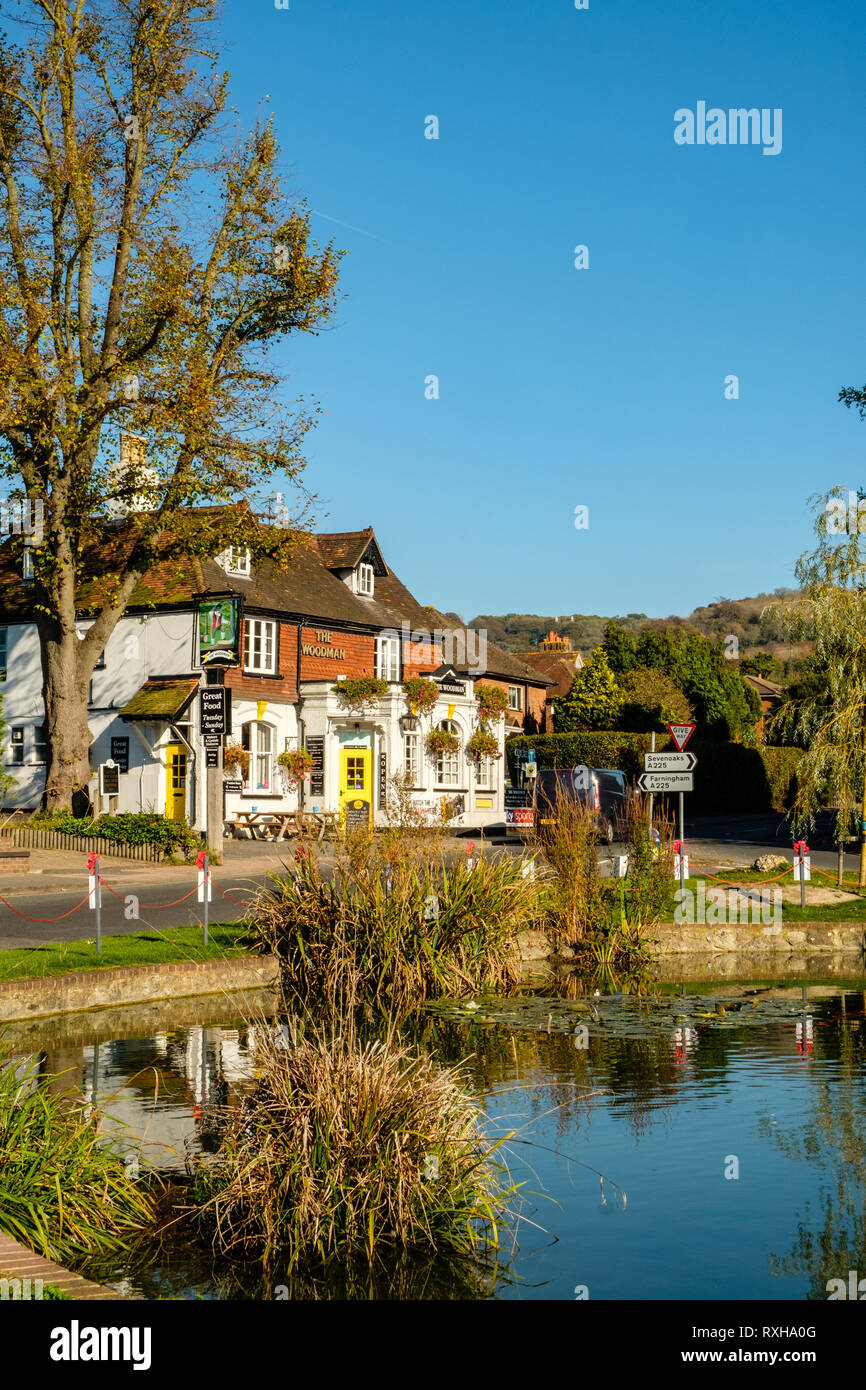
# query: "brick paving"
17,1262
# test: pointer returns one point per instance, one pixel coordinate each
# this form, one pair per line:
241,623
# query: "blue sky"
558,387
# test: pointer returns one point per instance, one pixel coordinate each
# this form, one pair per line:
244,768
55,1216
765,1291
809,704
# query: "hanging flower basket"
297,766
357,692
483,745
441,742
237,757
421,693
492,703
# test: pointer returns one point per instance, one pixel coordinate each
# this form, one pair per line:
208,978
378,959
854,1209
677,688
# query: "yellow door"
175,782
356,785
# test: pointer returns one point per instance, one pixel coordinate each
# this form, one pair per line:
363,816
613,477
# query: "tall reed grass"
64,1191
394,926
350,1149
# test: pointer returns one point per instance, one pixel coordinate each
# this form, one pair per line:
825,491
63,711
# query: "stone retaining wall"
131,984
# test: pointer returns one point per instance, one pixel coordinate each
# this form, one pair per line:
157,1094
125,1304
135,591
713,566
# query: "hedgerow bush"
728,777
176,839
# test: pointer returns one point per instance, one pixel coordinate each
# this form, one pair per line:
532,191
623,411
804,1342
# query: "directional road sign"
669,762
681,733
666,782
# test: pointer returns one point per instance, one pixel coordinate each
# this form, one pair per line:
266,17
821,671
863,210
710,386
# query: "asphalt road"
720,843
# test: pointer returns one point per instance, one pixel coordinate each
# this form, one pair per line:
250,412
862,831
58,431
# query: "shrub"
126,828
393,926
64,1191
348,1147
728,777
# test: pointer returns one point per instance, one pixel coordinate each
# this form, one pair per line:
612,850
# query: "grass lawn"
792,912
225,939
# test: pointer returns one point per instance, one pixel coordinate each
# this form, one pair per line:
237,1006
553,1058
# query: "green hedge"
728,776
127,828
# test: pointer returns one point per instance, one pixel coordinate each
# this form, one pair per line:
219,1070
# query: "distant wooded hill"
740,618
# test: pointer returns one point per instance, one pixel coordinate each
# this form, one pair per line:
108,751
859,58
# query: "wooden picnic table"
278,825
264,825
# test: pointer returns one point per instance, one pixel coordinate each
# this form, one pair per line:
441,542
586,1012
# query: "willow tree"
148,262
830,717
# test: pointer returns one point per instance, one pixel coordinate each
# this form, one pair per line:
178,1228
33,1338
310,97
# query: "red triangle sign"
681,733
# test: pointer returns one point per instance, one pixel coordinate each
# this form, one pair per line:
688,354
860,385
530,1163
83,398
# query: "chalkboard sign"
120,753
211,757
109,780
357,814
383,779
515,796
230,785
316,749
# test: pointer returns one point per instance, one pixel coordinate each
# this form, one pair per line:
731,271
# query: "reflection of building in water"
155,1091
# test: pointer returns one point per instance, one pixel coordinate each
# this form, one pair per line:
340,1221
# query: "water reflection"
623,1144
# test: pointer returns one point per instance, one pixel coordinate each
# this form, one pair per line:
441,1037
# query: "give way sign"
681,733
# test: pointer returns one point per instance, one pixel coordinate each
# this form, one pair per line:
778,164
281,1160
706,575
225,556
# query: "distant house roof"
768,690
559,668
160,700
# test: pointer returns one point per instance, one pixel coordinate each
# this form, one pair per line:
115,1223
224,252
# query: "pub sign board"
120,753
213,710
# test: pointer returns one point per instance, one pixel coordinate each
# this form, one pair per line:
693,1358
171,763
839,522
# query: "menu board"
316,749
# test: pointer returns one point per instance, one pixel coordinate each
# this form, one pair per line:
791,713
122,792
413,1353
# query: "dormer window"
236,560
364,580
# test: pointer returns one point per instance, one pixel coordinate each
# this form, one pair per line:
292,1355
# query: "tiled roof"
559,669
307,589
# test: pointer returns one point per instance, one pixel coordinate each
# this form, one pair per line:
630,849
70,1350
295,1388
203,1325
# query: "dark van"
603,789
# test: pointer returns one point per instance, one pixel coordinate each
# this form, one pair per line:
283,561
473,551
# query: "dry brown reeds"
347,1148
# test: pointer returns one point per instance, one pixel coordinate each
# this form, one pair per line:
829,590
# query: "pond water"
671,1148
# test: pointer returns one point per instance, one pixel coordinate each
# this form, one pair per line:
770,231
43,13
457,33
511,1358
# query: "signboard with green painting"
219,625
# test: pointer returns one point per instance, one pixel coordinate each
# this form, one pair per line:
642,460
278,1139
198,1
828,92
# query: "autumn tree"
147,264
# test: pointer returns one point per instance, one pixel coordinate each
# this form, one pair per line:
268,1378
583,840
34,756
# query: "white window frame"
448,764
485,775
257,633
388,658
515,697
364,580
40,744
16,746
412,757
236,560
27,572
261,757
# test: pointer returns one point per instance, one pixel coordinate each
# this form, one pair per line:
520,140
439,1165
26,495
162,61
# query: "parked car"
603,789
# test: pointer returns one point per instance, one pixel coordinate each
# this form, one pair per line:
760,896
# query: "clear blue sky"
559,387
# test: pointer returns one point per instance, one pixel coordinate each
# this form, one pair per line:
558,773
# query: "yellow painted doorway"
175,782
356,785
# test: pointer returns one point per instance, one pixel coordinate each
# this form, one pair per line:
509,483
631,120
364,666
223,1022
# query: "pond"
680,1145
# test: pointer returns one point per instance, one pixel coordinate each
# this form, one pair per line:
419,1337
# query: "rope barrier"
149,907
28,918
228,895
